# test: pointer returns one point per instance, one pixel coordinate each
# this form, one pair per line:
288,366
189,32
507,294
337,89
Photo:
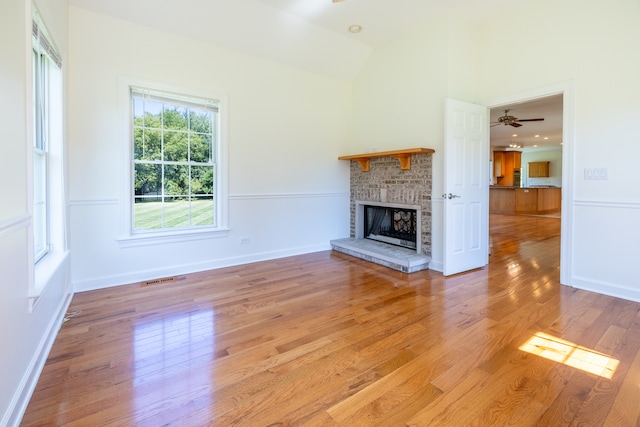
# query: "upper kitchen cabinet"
510,162
498,164
538,169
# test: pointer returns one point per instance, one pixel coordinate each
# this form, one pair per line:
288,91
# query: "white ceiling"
310,34
548,108
244,26
381,20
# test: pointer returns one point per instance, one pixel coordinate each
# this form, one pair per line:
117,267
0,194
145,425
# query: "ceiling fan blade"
515,125
530,120
494,124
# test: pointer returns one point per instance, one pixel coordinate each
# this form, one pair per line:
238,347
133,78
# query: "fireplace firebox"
393,225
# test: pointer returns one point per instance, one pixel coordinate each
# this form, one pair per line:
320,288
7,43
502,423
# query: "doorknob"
450,196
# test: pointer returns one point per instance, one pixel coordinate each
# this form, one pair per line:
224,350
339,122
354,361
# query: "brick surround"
387,183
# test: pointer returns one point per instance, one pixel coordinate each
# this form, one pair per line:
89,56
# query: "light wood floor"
326,339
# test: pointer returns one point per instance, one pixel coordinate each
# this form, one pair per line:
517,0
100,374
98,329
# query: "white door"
466,183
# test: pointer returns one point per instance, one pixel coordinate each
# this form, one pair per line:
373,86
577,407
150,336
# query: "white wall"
398,102
26,335
287,191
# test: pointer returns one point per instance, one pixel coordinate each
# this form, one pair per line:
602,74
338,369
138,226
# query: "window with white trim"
47,131
174,161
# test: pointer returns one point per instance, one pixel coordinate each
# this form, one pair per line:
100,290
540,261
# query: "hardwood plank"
325,339
625,410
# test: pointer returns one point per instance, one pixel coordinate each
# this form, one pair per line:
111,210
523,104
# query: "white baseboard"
611,289
142,275
436,265
22,395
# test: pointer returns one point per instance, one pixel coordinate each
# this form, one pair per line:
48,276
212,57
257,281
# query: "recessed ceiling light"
514,135
535,145
536,136
355,28
337,1
546,137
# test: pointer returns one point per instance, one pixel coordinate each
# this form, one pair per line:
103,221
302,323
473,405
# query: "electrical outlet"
244,240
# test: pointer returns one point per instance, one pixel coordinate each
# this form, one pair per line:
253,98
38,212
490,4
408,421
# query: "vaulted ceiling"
381,20
310,34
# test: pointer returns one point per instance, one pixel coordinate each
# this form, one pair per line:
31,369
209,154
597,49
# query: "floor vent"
162,280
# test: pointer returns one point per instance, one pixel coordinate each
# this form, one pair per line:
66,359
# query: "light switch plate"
596,173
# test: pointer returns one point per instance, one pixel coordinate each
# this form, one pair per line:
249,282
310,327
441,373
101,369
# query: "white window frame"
127,237
40,158
47,131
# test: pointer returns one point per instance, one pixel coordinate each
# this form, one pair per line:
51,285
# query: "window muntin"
174,161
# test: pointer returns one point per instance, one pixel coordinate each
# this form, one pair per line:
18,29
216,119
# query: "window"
174,157
47,131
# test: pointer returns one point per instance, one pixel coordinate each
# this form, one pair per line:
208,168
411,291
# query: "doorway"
531,105
526,151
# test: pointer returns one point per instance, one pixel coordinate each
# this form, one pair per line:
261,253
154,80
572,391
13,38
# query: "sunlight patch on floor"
571,354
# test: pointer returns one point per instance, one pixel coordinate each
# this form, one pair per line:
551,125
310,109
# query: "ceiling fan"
511,120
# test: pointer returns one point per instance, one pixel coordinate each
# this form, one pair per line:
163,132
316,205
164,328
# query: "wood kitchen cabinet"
538,169
498,164
509,161
549,200
523,201
526,200
502,200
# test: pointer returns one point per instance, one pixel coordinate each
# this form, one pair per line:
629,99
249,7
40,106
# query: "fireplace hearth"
387,234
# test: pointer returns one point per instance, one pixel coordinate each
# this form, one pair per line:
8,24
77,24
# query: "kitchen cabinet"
498,164
510,161
531,200
549,200
526,200
538,169
502,200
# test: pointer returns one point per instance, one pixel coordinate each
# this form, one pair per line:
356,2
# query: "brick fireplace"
399,179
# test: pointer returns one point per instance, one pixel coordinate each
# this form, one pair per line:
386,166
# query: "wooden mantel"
404,156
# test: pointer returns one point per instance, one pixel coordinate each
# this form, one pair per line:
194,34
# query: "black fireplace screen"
396,226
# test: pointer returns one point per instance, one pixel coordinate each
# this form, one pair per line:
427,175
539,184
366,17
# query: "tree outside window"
174,165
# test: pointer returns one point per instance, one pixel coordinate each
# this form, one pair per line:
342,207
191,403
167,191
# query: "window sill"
44,271
160,238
